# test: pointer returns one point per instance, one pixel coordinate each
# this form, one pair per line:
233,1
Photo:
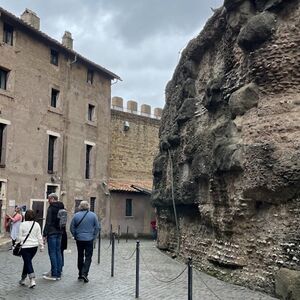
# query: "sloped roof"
50,40
131,186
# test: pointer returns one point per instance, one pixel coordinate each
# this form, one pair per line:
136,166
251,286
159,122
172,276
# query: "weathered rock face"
230,145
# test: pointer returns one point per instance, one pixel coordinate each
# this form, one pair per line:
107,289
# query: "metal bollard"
112,254
119,231
190,279
137,270
127,233
99,246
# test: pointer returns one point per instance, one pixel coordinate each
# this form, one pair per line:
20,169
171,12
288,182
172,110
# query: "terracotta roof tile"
126,185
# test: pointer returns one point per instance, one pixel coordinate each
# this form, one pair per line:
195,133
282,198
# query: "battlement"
132,107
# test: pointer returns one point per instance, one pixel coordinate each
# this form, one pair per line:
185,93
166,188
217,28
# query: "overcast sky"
139,40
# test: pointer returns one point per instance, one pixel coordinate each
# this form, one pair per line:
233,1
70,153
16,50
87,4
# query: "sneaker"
85,278
47,273
51,278
80,277
22,281
32,283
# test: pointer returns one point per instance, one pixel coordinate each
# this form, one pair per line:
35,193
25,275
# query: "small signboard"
11,203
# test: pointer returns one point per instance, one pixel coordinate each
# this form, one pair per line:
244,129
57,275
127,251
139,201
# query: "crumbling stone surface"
230,145
243,99
288,284
257,30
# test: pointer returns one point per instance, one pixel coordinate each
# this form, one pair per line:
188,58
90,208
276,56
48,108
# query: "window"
51,151
90,76
54,97
77,202
3,129
8,34
91,112
3,79
54,57
88,161
128,212
92,203
52,189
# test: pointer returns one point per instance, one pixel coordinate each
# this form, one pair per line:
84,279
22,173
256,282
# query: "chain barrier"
167,257
127,258
199,276
162,280
106,248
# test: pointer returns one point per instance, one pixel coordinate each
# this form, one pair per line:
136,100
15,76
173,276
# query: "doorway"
39,206
0,215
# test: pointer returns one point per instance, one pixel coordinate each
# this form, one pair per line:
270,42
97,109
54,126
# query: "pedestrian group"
84,228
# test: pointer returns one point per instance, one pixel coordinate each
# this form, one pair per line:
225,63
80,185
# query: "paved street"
122,285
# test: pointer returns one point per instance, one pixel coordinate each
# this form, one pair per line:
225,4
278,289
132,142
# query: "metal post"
99,246
112,254
110,234
137,270
119,231
127,233
190,279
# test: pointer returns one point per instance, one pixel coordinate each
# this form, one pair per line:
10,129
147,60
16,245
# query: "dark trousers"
62,258
85,253
27,255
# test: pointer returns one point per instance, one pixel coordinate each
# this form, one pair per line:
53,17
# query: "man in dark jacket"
53,233
84,227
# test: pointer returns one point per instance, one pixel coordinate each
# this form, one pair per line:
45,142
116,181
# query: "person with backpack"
84,227
53,234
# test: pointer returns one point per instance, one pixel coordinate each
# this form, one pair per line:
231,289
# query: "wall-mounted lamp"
126,126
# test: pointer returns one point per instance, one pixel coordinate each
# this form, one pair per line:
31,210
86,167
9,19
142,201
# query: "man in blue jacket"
84,227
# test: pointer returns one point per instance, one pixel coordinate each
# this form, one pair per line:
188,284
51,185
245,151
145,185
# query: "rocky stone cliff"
230,145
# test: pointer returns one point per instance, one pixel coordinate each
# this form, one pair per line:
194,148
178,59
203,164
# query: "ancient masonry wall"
230,133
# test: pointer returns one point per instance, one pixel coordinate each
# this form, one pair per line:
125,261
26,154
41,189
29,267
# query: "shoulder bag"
17,249
81,219
76,225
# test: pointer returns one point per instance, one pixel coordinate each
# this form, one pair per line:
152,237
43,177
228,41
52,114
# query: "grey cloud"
139,40
137,20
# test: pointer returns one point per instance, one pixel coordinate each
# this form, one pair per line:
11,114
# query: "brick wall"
133,150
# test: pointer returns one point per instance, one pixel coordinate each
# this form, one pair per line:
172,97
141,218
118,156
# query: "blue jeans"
54,242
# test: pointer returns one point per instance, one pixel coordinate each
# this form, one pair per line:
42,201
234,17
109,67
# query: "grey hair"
84,205
53,196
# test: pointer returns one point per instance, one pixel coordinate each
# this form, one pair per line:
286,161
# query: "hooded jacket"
52,222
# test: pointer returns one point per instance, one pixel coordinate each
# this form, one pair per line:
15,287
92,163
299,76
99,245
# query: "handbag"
17,249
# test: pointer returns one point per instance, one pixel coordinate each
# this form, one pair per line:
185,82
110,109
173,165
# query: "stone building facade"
230,146
134,144
54,119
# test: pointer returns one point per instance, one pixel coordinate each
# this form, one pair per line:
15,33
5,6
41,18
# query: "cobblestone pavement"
120,287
